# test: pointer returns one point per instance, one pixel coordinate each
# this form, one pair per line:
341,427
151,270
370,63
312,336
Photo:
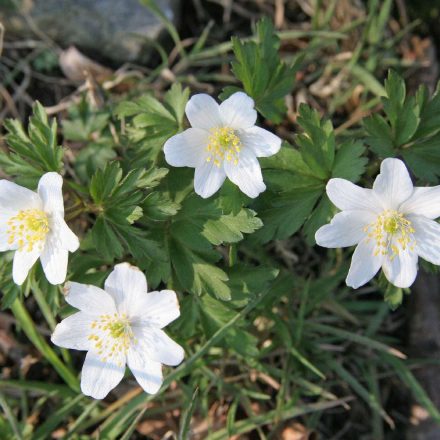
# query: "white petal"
15,197
5,216
157,308
49,189
203,112
345,229
99,378
424,201
345,195
427,236
54,262
246,174
238,111
23,261
393,185
187,149
73,332
364,264
68,240
262,142
148,373
127,285
90,299
208,178
402,269
157,345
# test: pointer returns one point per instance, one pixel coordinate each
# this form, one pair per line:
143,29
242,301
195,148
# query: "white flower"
392,225
223,141
32,224
121,324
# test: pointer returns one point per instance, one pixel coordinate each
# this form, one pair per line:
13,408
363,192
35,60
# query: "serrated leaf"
34,151
106,241
287,214
349,163
135,215
158,206
264,76
230,228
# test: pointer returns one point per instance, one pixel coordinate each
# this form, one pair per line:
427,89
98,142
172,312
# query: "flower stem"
31,332
48,316
44,306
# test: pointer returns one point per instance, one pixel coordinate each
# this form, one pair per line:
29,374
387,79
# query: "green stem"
43,305
48,316
28,326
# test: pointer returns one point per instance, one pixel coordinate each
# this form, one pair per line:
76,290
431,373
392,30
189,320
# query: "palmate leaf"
264,76
150,123
296,179
118,201
33,151
194,230
410,128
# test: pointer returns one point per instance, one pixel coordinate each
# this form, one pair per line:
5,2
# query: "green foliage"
116,204
265,324
265,77
34,151
297,179
89,128
410,128
153,122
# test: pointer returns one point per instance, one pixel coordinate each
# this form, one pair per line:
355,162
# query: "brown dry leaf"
7,342
418,415
296,431
78,67
152,428
59,433
26,363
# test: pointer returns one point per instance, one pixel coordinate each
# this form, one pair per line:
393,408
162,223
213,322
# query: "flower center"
27,229
392,233
224,144
112,336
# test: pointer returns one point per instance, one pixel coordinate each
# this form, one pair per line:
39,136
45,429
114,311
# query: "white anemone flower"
223,141
392,225
117,326
32,224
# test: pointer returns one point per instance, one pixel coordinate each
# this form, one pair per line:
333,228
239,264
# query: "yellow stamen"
224,144
392,233
112,336
28,229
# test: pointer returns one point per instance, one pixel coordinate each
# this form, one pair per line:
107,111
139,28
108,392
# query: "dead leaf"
77,67
296,431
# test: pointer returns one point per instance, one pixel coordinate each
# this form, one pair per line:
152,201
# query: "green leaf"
230,228
349,163
423,158
380,138
135,215
387,136
150,123
158,206
106,241
321,215
317,142
32,152
264,76
287,214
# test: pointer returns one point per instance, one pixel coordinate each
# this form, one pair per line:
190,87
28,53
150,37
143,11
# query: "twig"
10,104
